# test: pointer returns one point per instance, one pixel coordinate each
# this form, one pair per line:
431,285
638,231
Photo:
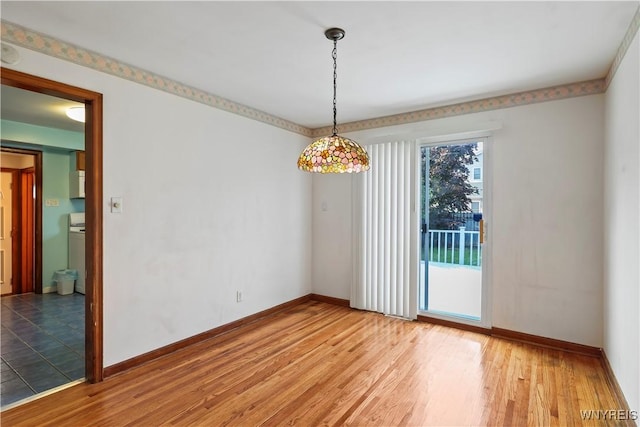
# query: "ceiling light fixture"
335,153
76,113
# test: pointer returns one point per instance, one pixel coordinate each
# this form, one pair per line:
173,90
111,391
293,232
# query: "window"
477,174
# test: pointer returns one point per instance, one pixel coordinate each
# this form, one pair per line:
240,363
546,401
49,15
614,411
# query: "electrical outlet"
238,296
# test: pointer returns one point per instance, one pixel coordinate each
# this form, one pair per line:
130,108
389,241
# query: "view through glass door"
451,259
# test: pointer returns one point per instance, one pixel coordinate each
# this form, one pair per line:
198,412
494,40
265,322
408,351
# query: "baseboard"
494,332
518,336
456,325
168,349
330,300
615,386
546,342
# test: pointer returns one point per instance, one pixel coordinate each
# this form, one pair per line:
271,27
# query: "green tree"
449,184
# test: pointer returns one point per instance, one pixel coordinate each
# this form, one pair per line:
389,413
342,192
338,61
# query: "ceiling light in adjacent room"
76,113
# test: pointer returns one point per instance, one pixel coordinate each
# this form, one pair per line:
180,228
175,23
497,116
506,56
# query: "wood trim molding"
494,332
546,342
455,325
168,349
518,336
331,300
93,205
38,226
16,233
615,386
94,239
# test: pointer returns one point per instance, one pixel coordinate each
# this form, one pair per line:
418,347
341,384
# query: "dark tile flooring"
42,342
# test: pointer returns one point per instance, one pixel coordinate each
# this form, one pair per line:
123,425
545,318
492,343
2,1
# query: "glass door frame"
487,205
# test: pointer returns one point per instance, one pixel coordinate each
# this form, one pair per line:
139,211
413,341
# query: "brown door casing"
27,226
93,205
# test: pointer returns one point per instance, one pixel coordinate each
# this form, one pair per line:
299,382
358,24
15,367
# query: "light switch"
116,205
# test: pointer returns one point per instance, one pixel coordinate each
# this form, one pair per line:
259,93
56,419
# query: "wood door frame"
94,362
15,249
28,244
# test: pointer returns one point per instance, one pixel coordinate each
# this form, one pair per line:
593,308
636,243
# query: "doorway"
93,205
6,231
21,215
453,260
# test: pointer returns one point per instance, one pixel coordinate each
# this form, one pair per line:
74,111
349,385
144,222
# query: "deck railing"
454,247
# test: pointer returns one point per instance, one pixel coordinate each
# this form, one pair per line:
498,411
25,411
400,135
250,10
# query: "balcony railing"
460,247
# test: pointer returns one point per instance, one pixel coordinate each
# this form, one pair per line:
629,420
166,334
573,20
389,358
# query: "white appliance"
76,248
76,185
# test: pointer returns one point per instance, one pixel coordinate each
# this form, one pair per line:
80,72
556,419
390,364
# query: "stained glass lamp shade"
334,154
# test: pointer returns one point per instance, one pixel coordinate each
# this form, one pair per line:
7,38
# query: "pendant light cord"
334,54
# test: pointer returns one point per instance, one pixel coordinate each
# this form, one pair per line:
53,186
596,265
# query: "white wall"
332,252
547,215
42,135
213,203
15,161
621,230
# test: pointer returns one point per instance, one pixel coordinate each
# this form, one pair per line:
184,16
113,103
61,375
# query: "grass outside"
452,256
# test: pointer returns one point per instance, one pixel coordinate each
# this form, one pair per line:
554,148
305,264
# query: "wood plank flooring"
321,364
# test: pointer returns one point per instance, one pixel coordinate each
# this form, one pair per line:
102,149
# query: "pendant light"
335,153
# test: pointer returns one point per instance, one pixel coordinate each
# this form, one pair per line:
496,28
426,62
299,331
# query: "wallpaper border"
554,93
39,42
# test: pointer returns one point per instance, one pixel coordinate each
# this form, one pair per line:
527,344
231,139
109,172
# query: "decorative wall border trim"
553,93
33,40
624,46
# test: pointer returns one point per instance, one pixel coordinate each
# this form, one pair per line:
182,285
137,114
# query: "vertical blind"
385,277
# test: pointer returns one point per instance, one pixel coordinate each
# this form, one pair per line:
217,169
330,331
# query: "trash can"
65,280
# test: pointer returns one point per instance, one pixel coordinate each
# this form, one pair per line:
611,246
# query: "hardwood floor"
321,364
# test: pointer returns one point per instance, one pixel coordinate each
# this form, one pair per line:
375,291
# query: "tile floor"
42,342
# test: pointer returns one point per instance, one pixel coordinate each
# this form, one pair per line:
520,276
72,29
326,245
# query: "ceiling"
396,57
24,106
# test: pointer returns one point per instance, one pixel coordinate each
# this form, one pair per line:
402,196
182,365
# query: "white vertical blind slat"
406,221
383,278
393,233
380,286
402,228
374,240
386,226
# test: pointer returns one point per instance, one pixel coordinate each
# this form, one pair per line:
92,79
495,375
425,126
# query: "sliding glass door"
452,209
